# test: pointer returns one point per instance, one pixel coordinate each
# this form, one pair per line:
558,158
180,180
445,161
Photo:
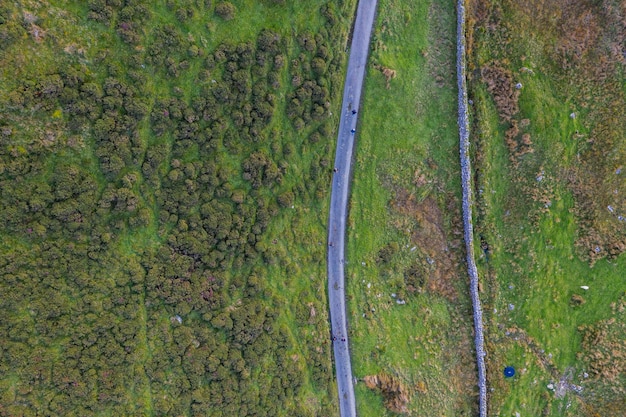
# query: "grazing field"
549,100
164,173
410,314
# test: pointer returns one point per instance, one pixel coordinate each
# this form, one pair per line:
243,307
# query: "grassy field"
288,272
404,221
549,196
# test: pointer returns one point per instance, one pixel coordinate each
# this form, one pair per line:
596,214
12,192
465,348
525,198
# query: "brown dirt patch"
503,89
395,394
437,270
501,86
388,73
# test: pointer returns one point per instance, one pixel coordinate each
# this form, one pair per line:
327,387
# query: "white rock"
584,287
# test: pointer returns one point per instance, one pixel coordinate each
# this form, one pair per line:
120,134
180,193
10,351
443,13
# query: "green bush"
226,10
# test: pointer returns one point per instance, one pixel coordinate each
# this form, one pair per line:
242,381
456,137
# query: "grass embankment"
548,158
287,265
404,237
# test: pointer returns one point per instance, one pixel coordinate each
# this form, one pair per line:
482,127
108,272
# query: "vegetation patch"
395,394
161,209
545,81
410,315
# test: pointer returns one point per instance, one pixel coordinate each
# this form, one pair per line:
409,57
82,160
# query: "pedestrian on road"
353,111
335,170
353,130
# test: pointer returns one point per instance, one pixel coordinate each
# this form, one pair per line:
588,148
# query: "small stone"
572,115
518,86
511,307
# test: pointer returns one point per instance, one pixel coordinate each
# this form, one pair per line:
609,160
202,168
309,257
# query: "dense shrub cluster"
127,16
310,100
132,225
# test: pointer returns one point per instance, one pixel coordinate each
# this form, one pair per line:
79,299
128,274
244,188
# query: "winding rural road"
363,24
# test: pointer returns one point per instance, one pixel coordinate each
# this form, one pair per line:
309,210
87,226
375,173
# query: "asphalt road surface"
339,203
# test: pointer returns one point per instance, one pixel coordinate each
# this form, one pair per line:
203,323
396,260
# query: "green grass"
533,267
406,130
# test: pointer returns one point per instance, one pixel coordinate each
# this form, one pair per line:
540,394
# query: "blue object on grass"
509,371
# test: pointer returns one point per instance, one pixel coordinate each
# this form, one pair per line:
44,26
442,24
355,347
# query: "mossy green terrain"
548,91
410,315
164,171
